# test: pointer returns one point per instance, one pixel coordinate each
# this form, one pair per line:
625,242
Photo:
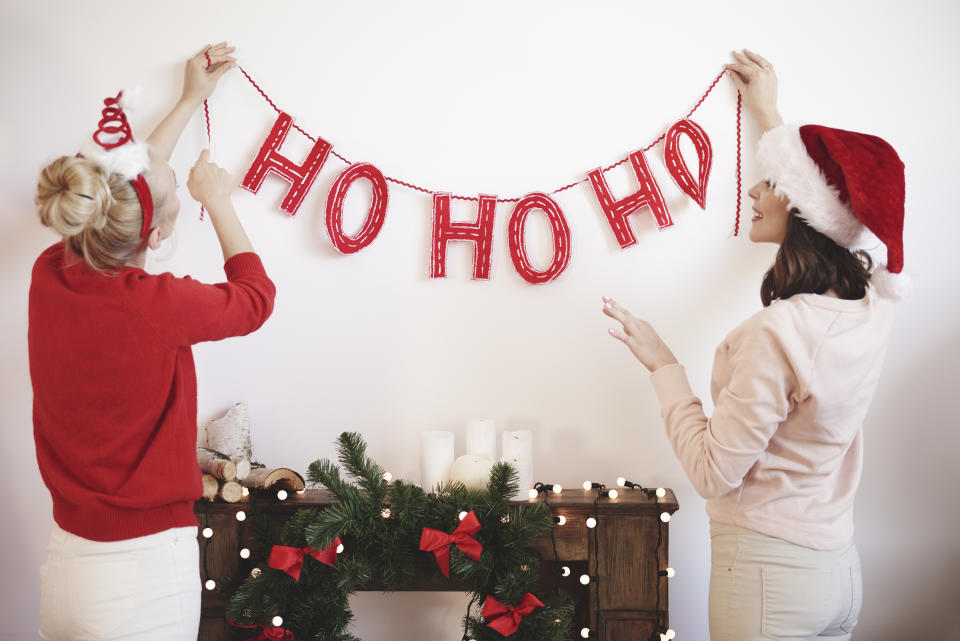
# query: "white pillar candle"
517,450
436,457
482,438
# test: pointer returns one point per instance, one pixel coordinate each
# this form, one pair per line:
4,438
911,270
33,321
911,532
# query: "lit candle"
436,457
517,450
482,438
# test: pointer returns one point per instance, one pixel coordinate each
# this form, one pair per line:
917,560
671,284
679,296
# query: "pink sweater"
783,451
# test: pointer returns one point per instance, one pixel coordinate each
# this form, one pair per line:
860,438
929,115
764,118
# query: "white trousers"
142,589
763,588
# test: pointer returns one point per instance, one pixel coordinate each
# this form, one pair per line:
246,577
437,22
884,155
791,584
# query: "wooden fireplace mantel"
628,530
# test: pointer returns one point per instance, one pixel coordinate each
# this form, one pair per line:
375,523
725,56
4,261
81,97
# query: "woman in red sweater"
115,395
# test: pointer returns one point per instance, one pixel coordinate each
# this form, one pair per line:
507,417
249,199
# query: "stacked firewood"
225,453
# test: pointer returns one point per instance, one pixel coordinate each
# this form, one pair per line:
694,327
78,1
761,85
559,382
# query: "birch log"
231,491
215,463
230,434
263,478
210,487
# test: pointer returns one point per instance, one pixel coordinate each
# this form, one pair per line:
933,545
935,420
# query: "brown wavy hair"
810,263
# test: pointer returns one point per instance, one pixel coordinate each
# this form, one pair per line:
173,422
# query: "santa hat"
113,148
846,185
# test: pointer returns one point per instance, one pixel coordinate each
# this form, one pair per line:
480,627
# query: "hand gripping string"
206,115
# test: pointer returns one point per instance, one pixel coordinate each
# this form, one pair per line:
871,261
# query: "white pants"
764,588
142,589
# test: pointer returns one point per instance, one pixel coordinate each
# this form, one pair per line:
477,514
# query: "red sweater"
115,391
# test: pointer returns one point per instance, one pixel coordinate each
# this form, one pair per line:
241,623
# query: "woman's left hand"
201,76
639,336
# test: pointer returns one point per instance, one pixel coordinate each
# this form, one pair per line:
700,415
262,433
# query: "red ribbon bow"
505,619
439,542
290,559
267,632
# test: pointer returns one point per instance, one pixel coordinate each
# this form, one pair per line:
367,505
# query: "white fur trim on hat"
891,286
785,163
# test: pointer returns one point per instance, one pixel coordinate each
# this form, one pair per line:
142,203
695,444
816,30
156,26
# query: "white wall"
505,98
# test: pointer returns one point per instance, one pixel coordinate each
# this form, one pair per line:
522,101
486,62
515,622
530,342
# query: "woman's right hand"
204,70
209,183
757,83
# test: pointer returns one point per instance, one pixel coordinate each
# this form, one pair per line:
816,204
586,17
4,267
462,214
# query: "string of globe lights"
660,632
210,584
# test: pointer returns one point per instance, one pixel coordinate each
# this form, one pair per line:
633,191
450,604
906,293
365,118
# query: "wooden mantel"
628,530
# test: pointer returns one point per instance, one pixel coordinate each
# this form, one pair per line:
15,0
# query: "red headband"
113,131
146,203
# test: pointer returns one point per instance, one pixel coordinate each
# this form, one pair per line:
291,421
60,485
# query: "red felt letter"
269,159
561,238
617,210
678,168
378,208
480,233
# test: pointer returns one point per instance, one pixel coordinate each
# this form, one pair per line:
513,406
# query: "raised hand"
639,336
209,183
756,81
200,77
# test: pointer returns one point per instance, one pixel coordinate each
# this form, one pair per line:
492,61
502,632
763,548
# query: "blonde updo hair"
98,215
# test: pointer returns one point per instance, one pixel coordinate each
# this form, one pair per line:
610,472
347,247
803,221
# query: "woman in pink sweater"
780,459
114,386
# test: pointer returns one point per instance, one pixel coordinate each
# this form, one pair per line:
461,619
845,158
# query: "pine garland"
385,549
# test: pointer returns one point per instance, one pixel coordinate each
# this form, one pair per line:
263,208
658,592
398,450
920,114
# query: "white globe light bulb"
670,573
557,488
463,515
282,495
565,571
622,482
584,579
665,517
585,633
561,520
661,492
245,491
277,621
245,553
210,584
587,485
340,549
207,533
670,634
387,476
385,513
533,494
241,516
591,522
614,494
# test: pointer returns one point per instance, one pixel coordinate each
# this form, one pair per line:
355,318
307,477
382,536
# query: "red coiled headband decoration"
119,153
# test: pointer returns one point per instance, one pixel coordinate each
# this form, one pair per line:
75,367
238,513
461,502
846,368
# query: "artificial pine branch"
503,483
318,605
353,457
325,473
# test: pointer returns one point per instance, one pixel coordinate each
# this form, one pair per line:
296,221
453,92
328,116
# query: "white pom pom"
891,286
131,99
126,160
